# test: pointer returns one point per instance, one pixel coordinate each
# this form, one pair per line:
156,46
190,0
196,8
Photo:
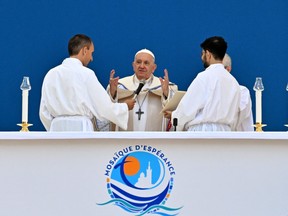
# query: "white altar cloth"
214,174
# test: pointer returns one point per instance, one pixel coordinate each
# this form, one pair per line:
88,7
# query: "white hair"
227,61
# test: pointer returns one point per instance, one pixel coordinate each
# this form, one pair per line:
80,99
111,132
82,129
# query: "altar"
144,173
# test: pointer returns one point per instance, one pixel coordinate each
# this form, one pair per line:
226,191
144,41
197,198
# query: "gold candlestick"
259,127
24,126
258,88
25,87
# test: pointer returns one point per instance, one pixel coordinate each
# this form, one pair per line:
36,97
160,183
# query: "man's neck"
214,61
77,57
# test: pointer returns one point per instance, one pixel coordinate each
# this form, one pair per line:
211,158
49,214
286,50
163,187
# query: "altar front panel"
56,175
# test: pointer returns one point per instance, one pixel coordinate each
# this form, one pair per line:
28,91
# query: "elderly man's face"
144,66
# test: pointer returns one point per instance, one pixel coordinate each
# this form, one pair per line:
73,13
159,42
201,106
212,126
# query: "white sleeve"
101,105
190,104
245,121
44,114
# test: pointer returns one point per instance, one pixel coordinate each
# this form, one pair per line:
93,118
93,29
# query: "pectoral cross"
139,113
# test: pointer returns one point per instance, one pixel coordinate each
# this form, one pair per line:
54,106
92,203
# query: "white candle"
258,106
25,106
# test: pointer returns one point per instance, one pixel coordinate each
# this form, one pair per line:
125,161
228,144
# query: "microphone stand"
175,122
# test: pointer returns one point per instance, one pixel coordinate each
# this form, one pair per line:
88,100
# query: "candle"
258,106
25,87
258,88
25,106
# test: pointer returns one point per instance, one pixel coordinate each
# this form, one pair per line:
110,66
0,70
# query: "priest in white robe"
72,95
211,102
245,120
154,95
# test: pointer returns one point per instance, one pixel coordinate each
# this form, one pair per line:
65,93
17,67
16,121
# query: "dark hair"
77,42
216,45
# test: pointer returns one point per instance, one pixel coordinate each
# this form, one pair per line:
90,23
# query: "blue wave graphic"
124,205
133,196
150,201
151,210
157,207
164,214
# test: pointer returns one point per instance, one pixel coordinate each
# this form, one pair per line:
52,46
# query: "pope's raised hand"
113,83
165,83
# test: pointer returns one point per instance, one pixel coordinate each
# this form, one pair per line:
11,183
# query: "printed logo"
140,179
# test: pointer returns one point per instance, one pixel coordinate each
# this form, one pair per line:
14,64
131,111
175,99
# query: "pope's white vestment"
146,115
211,102
72,96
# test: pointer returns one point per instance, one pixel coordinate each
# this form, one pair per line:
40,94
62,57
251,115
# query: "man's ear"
85,50
209,54
81,52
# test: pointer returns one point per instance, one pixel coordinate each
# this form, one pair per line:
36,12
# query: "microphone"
137,91
175,122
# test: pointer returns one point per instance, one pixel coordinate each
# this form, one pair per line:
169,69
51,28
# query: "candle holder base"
259,127
24,126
